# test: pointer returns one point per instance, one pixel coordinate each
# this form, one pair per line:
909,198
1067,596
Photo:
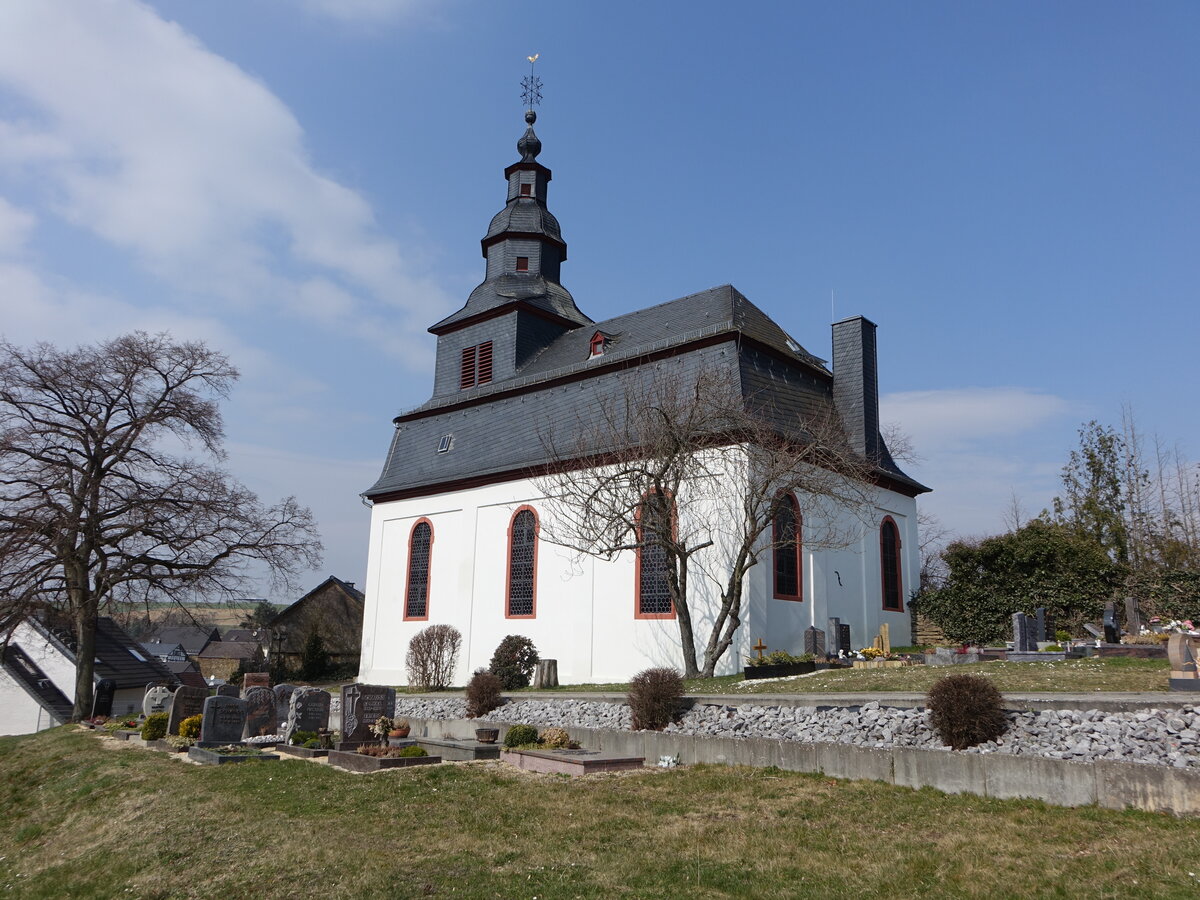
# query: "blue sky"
1009,190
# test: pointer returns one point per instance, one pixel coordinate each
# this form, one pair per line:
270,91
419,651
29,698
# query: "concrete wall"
1113,785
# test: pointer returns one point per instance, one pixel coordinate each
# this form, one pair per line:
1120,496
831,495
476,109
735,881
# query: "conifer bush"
483,693
520,735
190,727
966,710
654,698
514,661
155,727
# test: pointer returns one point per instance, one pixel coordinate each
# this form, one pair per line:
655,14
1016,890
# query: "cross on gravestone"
308,710
362,705
843,637
157,699
1023,641
1039,631
1133,616
223,720
760,647
228,690
283,701
260,712
814,641
103,699
187,702
1112,633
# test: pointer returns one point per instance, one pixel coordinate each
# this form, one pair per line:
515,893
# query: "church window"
656,522
526,190
785,540
475,366
416,591
522,263
889,565
521,592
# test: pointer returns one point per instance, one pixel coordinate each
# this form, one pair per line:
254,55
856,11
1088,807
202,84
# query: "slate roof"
117,655
193,637
161,651
528,287
230,650
239,634
30,676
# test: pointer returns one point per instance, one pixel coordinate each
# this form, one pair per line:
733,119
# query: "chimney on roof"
856,383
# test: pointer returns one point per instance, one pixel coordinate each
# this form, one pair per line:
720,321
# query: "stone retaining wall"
1113,785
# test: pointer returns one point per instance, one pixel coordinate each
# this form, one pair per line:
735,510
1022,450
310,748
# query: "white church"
457,515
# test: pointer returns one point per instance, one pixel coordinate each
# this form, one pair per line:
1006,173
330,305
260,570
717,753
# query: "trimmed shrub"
966,710
654,697
554,738
514,661
432,656
300,738
155,727
483,694
414,750
190,727
520,735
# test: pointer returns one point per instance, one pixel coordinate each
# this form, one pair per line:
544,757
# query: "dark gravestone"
362,705
831,635
814,641
1093,630
1039,631
309,710
103,698
224,720
1112,634
1133,616
188,702
283,701
228,690
843,638
255,679
260,712
157,699
1023,641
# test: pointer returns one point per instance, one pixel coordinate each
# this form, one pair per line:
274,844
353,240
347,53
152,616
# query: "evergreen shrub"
514,661
190,727
520,735
155,726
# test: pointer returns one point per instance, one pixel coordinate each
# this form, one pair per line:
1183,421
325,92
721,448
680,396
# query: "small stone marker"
283,701
844,637
308,711
545,675
228,690
1039,631
1093,630
157,699
255,679
103,698
814,641
260,712
188,702
1023,641
362,705
1181,651
1133,616
1112,634
885,639
831,635
224,720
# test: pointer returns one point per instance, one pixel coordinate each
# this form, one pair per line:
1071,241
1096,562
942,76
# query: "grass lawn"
90,819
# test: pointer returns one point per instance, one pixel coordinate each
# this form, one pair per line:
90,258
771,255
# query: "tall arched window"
521,593
785,538
416,590
656,523
889,565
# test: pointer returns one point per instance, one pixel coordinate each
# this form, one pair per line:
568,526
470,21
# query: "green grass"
90,819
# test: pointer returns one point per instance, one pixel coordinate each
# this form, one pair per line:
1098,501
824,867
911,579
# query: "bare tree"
102,501
692,474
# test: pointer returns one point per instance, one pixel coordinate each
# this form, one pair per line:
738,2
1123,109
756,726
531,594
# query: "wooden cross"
760,647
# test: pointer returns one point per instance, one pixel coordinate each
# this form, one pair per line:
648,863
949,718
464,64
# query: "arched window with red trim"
889,566
520,600
656,526
786,541
416,589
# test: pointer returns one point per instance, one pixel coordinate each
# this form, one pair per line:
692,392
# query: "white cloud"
197,169
961,416
15,226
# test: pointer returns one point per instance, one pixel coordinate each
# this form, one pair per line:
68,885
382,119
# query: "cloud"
197,170
959,417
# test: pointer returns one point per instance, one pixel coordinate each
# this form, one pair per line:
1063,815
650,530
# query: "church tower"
520,308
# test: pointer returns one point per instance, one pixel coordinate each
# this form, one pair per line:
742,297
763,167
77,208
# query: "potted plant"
399,731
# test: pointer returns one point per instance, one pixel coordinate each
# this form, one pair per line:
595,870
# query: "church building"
458,517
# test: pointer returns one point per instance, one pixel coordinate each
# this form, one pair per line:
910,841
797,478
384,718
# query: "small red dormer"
597,345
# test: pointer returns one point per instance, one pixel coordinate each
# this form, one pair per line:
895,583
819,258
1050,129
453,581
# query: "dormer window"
527,190
597,345
522,263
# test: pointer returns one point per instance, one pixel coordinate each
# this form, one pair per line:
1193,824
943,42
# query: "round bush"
483,694
155,727
966,710
190,727
520,735
654,697
514,661
414,750
554,738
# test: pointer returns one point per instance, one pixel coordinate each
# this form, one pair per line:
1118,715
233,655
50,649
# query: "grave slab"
571,762
459,751
357,762
212,758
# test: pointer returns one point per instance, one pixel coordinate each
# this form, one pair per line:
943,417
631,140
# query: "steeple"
524,250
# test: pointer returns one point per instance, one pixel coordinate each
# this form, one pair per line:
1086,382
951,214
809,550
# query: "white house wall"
585,606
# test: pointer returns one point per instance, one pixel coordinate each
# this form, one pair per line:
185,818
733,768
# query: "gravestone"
1039,631
228,690
362,705
188,702
545,675
885,639
1133,616
1112,634
1181,651
814,641
224,720
103,697
283,701
260,712
255,679
308,711
1093,630
831,635
157,699
1023,641
843,637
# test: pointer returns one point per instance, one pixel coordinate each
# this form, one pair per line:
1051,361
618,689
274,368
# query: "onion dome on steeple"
529,146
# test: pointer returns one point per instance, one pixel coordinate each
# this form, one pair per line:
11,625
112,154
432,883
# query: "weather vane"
531,85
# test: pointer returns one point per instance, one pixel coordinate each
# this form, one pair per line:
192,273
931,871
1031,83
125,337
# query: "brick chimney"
856,383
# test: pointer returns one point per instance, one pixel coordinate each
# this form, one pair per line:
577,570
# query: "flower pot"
487,735
399,732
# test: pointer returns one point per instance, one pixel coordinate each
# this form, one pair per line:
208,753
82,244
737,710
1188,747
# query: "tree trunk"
85,656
